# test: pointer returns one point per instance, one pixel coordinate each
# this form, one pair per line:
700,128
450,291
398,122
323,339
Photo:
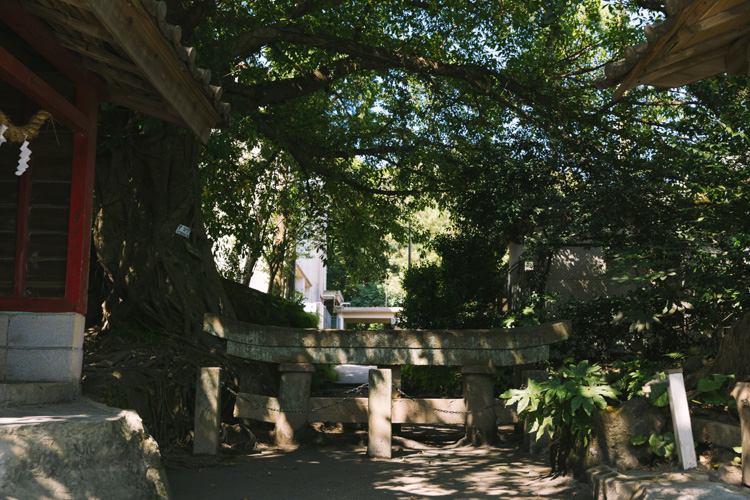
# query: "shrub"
609,327
562,407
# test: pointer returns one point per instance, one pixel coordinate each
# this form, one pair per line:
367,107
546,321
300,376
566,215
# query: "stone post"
207,422
396,377
530,442
379,414
741,394
294,396
479,388
683,430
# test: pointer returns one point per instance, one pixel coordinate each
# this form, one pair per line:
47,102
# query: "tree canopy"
352,117
370,102
349,115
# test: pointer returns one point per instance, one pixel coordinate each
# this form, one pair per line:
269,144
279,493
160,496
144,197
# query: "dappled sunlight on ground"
347,472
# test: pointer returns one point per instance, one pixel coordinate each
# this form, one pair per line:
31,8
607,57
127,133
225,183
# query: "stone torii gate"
297,350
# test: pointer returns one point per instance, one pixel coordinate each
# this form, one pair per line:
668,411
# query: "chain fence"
353,393
455,412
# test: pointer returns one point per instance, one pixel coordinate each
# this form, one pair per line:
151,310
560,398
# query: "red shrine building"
58,61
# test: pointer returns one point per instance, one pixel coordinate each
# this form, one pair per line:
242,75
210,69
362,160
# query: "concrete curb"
608,484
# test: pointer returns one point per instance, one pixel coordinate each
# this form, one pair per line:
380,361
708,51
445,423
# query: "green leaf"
662,445
639,439
708,384
588,405
576,402
659,395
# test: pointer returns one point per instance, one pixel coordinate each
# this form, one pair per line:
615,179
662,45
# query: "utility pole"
410,244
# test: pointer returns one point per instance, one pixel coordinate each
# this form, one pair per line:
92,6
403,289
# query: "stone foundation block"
379,414
207,422
4,319
294,400
41,346
42,365
45,330
13,394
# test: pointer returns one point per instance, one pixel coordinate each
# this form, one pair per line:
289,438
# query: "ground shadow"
317,472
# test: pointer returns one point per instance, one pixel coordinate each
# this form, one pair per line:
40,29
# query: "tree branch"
291,88
482,79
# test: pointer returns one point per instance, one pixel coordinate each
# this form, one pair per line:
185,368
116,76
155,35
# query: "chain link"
355,391
455,412
351,394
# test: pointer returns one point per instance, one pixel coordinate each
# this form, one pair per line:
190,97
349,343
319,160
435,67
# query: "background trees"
349,115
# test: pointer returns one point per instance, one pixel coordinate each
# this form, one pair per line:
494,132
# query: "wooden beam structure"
135,32
81,202
698,39
126,52
39,37
21,77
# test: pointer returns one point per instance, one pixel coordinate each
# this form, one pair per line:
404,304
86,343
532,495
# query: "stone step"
80,449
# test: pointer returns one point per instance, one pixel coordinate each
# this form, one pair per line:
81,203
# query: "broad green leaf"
639,439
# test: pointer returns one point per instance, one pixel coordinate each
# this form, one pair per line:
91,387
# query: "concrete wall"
319,309
41,346
578,272
310,276
315,271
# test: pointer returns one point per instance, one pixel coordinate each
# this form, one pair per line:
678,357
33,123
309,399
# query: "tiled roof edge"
173,35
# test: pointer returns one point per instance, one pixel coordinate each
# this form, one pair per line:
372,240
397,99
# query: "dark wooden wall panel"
50,172
11,103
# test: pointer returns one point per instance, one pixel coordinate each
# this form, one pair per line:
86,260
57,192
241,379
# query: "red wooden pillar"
22,236
81,203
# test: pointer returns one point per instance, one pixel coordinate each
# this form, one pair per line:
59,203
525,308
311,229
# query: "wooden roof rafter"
127,51
698,39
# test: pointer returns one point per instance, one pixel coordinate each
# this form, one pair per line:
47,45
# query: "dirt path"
332,472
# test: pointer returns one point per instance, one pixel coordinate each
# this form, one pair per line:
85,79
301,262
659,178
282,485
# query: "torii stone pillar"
294,396
479,386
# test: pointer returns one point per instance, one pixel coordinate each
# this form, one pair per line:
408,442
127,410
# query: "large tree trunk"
146,186
733,357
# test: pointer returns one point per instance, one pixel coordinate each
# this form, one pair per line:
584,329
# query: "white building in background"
310,283
346,314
